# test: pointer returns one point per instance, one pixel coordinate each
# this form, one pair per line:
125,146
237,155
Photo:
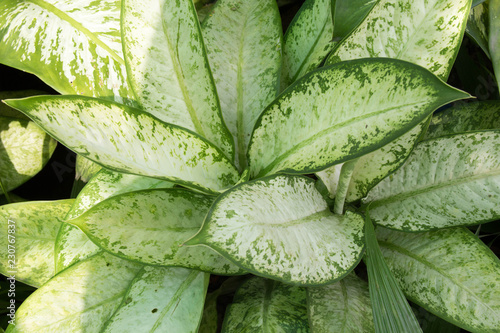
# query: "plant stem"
343,185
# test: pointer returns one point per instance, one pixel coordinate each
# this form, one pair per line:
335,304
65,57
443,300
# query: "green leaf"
24,151
340,307
478,26
85,169
7,111
73,46
467,117
243,40
79,299
27,237
427,33
431,323
107,184
168,68
166,299
494,38
330,177
262,305
281,227
391,311
308,40
129,140
355,107
348,14
447,181
71,246
449,272
149,226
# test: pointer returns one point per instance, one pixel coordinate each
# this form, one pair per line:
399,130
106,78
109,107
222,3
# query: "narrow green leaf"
243,40
168,68
427,33
348,14
447,181
391,311
308,40
27,239
129,140
7,111
355,107
262,305
149,226
73,46
281,227
24,151
166,299
467,117
71,246
340,307
79,299
494,37
343,185
330,177
449,272
478,26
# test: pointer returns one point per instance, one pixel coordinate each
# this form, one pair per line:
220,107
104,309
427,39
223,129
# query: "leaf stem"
343,185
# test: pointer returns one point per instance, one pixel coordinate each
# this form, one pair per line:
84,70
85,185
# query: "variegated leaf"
449,272
243,40
71,246
494,37
447,181
149,226
166,299
355,107
73,46
129,140
308,40
348,14
281,227
340,307
27,236
79,299
262,305
7,111
168,69
478,26
427,33
468,117
85,169
330,177
24,151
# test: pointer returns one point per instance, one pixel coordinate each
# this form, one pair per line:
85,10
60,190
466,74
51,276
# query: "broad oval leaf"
79,299
72,245
494,38
149,226
243,41
73,46
354,107
449,272
340,307
427,33
448,181
28,236
262,305
130,140
166,299
281,227
168,68
24,151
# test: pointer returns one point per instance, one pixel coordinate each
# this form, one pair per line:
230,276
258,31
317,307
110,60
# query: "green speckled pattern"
72,245
494,37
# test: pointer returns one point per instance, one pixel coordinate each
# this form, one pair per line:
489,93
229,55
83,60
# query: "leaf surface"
354,108
449,272
494,37
281,227
348,14
478,26
129,140
447,181
72,245
168,68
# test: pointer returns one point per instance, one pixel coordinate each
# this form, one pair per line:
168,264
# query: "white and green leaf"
71,246
447,181
427,33
348,14
24,150
28,236
340,307
129,140
281,227
73,46
243,41
7,111
166,299
449,272
168,68
85,169
262,305
478,26
149,226
494,37
355,107
330,177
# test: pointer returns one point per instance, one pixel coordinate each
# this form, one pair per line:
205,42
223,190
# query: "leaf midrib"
301,220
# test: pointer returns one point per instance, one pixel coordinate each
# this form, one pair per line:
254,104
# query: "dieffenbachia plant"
228,148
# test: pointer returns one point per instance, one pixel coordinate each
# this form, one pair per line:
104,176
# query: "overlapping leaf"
449,272
494,37
281,227
71,246
478,26
353,108
448,181
130,140
348,14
